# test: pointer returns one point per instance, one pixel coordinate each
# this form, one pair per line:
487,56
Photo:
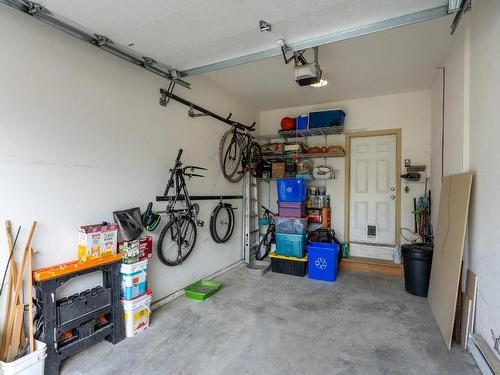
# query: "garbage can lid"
417,250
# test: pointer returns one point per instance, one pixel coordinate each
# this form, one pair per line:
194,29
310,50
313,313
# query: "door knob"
393,188
393,196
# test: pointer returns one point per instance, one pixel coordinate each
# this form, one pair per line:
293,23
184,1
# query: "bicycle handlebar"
239,126
268,210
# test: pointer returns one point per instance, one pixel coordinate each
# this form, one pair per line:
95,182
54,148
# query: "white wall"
82,134
436,146
450,150
484,258
409,111
472,131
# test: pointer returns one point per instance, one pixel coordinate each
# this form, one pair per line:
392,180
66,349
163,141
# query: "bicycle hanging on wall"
178,236
238,153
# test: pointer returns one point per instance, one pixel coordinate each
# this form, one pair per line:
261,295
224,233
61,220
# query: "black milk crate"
288,265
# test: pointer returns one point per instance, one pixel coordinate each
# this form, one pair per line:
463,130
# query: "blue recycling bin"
323,260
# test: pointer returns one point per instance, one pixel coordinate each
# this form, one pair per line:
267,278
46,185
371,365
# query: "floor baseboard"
163,301
485,359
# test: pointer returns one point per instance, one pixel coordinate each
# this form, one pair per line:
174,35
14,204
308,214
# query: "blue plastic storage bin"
290,245
301,122
323,260
325,119
292,189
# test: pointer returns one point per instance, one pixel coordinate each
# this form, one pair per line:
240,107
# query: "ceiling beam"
43,14
388,24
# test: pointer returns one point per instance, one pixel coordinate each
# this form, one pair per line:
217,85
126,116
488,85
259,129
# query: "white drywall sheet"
448,251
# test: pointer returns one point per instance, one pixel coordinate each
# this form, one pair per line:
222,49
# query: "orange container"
326,218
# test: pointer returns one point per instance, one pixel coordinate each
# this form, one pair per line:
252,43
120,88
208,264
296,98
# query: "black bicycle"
178,236
269,238
238,153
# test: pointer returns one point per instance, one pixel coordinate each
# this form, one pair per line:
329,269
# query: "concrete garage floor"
279,324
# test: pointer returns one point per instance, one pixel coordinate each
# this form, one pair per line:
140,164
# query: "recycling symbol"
289,189
320,263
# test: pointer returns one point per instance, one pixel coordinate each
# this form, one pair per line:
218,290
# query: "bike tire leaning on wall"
264,246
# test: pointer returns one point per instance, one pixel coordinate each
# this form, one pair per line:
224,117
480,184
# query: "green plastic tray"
202,289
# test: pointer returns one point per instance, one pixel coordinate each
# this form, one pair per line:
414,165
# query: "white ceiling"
399,60
191,33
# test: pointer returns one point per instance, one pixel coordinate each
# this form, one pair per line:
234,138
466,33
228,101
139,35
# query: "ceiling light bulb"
321,83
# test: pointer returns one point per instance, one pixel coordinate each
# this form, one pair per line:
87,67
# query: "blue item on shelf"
292,189
290,245
325,119
323,260
301,122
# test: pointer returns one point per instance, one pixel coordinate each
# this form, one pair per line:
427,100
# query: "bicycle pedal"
200,223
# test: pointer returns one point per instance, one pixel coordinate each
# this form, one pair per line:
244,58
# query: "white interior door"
372,214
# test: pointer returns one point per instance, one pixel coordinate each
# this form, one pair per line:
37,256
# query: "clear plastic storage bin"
291,225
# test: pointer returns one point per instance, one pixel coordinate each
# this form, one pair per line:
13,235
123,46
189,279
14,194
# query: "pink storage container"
292,209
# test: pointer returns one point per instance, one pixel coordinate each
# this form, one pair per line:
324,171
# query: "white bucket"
129,269
30,364
133,279
136,314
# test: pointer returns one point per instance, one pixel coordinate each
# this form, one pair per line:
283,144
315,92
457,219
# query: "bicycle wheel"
230,154
255,159
176,241
264,245
222,223
240,173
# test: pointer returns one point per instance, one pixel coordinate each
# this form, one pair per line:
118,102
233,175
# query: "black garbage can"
417,260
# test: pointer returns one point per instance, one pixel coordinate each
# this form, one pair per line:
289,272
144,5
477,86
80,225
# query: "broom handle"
12,276
30,299
19,280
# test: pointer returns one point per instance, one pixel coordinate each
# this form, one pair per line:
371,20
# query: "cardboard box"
314,216
136,250
278,169
130,251
97,240
89,242
109,239
272,148
294,147
145,247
